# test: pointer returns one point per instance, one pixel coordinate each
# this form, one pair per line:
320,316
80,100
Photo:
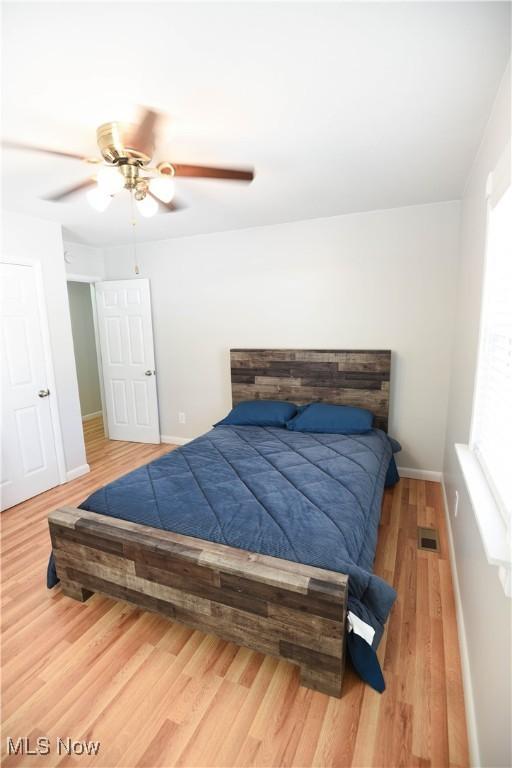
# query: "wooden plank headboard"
339,376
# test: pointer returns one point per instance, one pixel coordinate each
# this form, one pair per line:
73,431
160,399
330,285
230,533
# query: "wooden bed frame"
275,606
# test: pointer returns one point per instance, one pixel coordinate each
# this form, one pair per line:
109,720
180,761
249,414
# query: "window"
492,415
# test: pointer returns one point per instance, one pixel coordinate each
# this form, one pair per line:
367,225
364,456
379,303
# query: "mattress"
310,498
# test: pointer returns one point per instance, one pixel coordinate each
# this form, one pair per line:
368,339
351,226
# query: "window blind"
492,414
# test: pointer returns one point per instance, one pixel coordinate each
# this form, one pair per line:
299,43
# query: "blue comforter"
310,498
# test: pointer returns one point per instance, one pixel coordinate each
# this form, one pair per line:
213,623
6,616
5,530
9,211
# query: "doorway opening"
87,357
114,354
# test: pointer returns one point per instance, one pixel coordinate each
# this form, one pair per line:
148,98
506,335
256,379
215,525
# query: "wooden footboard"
292,611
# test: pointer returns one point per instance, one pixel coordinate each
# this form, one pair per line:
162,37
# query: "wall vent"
428,539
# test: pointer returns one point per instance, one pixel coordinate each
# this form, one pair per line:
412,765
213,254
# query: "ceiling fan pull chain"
134,238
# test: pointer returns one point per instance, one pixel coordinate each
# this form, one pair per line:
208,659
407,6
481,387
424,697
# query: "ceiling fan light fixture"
163,188
148,206
126,153
98,199
110,180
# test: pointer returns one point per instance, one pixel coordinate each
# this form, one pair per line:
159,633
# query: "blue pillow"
260,413
335,419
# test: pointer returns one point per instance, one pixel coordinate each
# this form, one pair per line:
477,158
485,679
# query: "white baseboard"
89,416
469,701
173,440
421,474
72,474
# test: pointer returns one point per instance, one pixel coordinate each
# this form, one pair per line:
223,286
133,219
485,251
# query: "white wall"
84,260
383,279
486,612
84,344
41,241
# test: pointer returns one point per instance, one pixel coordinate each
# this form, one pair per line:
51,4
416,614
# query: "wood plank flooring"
157,694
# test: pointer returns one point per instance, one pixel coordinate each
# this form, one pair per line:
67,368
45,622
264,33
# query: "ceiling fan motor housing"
113,144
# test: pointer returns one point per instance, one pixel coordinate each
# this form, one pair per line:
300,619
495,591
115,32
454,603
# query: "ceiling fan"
126,153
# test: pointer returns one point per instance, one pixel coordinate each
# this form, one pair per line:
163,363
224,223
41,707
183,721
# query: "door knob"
149,373
43,393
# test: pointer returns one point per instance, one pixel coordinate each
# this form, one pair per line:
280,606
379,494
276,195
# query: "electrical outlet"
456,504
182,417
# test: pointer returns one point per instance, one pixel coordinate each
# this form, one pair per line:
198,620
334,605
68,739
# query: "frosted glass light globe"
163,188
98,200
147,207
110,179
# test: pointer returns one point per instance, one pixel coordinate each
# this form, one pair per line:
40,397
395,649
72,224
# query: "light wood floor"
157,694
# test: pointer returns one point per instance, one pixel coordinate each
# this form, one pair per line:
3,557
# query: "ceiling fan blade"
171,207
143,138
47,151
58,196
207,172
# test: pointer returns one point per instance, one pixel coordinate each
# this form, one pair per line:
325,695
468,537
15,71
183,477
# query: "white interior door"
29,454
128,359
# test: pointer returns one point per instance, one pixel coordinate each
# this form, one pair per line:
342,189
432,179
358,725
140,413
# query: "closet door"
128,359
29,458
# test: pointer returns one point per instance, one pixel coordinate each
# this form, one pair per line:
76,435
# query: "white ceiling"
340,107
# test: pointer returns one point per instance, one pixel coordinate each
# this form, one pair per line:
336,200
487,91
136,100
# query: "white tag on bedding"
360,627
